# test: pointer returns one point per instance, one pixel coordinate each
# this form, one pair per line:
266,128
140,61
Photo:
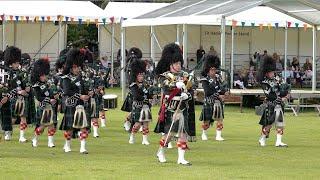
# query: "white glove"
184,96
180,85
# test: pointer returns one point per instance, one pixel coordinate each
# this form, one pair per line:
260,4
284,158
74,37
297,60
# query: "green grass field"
112,157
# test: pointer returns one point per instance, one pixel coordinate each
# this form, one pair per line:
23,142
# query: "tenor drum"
110,101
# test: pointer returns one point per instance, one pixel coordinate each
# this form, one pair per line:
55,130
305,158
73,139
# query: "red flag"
289,24
112,19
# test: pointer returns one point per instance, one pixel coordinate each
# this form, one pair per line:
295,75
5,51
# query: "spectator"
212,51
119,55
295,65
252,64
200,53
307,67
279,66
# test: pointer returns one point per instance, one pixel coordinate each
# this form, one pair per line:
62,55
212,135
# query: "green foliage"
77,32
112,157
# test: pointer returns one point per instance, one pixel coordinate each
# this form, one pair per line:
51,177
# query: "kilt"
94,112
136,113
26,107
6,116
207,113
127,104
68,118
163,127
39,113
270,117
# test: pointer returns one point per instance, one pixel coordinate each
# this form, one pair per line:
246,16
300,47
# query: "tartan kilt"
6,116
95,113
39,112
26,107
127,104
207,113
68,118
163,127
269,116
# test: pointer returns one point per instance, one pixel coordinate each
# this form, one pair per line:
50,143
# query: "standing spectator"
200,53
279,66
296,71
212,51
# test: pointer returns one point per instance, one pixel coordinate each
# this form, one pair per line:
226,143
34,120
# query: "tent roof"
210,12
130,9
77,9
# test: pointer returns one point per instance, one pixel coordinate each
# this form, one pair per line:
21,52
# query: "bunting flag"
66,19
59,18
104,21
17,18
261,27
87,22
72,19
269,26
276,25
11,18
80,21
42,18
305,27
297,25
252,24
3,17
112,19
36,19
27,18
22,18
234,23
242,24
288,24
48,18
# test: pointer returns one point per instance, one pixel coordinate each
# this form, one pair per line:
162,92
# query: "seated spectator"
240,80
200,53
307,68
297,75
279,66
212,51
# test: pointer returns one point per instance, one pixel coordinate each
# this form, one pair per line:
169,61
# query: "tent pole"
285,50
40,43
112,50
3,36
152,44
223,42
232,56
178,34
314,54
123,62
185,45
59,34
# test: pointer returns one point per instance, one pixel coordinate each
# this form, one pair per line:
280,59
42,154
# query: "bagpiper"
19,88
46,100
213,105
275,90
173,116
141,92
134,53
75,99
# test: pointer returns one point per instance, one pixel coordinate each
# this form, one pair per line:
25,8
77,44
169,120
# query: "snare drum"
110,101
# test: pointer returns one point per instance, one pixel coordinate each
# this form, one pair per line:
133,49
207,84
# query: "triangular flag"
297,25
252,24
66,18
288,24
17,18
305,27
243,23
234,23
269,26
261,27
72,19
42,18
27,18
88,22
48,18
22,18
61,18
11,18
3,17
104,21
112,19
36,19
80,21
277,25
